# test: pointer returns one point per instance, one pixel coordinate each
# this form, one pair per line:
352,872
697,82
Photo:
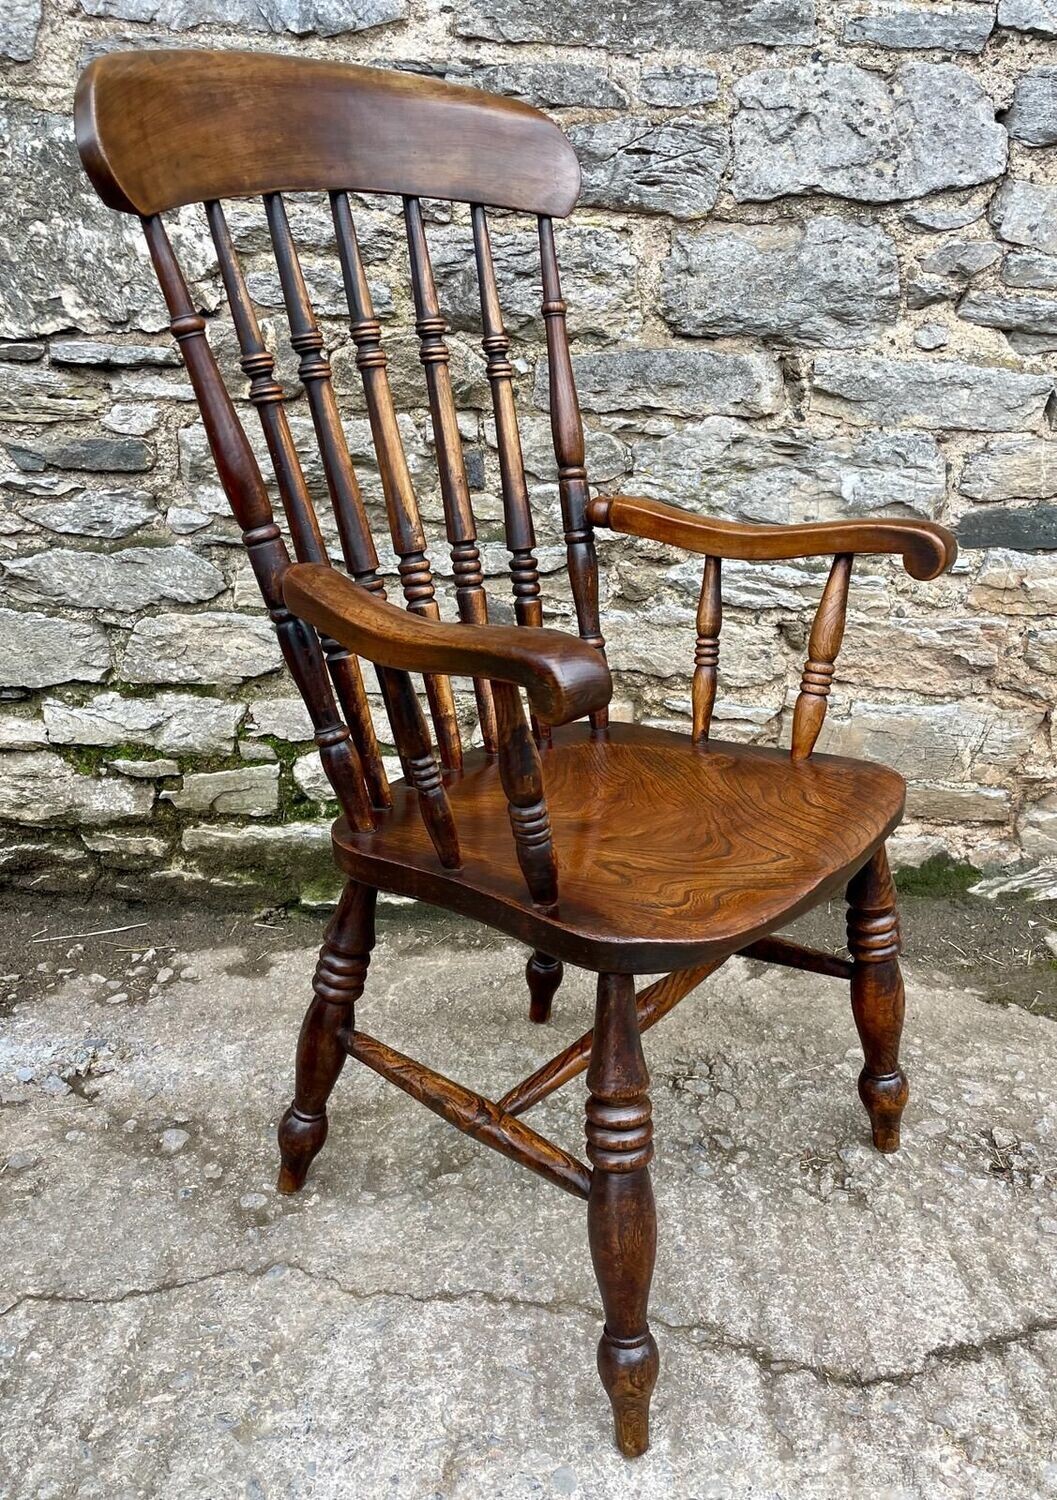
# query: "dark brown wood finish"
877,997
621,1219
451,468
619,848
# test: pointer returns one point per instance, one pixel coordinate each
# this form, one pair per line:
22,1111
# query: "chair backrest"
160,129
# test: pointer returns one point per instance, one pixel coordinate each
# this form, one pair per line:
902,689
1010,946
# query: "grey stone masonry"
828,282
836,128
812,275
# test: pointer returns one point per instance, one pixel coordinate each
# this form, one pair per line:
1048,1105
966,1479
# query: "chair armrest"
928,550
563,676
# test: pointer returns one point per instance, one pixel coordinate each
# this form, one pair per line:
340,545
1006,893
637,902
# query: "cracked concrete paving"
421,1321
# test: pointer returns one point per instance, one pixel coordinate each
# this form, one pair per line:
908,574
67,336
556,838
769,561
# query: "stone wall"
815,275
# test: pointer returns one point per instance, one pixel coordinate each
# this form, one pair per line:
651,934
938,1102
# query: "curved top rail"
160,128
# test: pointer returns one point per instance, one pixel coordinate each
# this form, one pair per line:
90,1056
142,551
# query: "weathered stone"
101,513
40,650
1011,313
406,378
39,788
713,26
21,728
599,279
957,804
1040,651
608,458
1016,583
1033,116
301,17
246,791
19,24
145,770
827,282
206,647
325,288
547,85
961,258
684,382
953,28
125,851
1011,469
1024,528
108,356
174,723
947,211
678,86
1037,827
835,128
34,395
300,847
312,226
17,352
94,455
280,718
1028,268
672,168
931,336
120,581
1036,16
786,476
936,742
66,260
45,865
1025,213
938,394
130,419
312,779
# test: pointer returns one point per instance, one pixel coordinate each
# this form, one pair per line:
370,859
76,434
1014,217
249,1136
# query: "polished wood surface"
563,678
927,549
619,848
156,129
668,852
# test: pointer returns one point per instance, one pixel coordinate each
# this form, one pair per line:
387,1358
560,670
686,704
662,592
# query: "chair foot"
877,997
301,1139
544,975
322,1046
629,1369
621,1219
884,1099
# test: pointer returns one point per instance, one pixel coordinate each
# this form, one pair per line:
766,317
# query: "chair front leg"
322,1046
877,997
621,1219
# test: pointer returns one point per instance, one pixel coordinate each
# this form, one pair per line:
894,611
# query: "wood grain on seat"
668,853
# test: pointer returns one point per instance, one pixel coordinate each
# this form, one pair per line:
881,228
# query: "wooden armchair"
624,849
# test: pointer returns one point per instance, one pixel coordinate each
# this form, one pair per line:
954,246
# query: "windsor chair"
624,849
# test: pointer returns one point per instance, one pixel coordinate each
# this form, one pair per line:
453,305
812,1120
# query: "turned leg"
621,1221
323,1044
877,997
544,975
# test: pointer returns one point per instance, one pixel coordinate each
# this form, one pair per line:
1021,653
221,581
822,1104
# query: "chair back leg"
544,975
326,1031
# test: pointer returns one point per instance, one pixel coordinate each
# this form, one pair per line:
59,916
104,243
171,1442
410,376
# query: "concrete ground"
421,1321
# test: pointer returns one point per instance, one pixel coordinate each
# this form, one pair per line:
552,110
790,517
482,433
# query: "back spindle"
706,655
517,516
470,597
244,486
402,706
827,632
405,522
266,394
